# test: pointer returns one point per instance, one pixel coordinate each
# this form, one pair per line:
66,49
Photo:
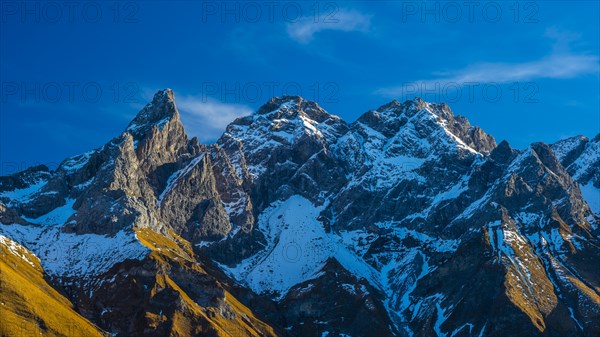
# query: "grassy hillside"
29,306
225,317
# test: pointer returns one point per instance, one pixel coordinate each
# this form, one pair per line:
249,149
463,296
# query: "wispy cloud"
561,63
344,20
207,118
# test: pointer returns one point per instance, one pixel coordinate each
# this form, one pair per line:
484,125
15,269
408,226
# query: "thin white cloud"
561,63
207,118
344,20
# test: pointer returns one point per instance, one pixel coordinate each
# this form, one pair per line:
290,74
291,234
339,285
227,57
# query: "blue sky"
73,77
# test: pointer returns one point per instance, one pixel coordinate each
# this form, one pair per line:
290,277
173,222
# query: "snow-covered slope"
67,254
581,157
393,142
281,123
297,249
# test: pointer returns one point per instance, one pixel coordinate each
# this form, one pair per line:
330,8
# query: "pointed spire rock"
158,134
547,157
161,111
503,153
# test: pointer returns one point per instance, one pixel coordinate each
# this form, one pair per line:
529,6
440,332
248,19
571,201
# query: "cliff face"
409,221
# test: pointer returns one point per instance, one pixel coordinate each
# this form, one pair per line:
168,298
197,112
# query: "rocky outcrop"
191,204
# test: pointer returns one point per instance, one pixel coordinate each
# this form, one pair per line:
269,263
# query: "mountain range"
407,222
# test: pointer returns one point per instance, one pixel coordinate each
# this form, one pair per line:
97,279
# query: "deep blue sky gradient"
356,56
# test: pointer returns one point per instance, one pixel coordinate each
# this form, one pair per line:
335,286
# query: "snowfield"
298,248
69,254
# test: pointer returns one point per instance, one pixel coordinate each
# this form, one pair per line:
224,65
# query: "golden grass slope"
29,306
191,319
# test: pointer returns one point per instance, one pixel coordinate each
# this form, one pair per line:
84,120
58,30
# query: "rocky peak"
427,119
288,107
547,157
410,107
568,149
393,105
503,153
158,113
284,121
275,102
158,134
581,158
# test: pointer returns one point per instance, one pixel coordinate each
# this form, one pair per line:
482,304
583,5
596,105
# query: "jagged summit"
275,102
568,148
417,103
285,120
393,104
161,110
294,106
422,119
396,109
289,113
503,153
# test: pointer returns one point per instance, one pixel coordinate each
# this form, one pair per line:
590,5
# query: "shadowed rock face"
408,221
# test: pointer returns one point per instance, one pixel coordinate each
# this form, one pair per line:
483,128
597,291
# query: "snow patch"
76,163
591,194
57,216
298,248
17,250
69,254
23,195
